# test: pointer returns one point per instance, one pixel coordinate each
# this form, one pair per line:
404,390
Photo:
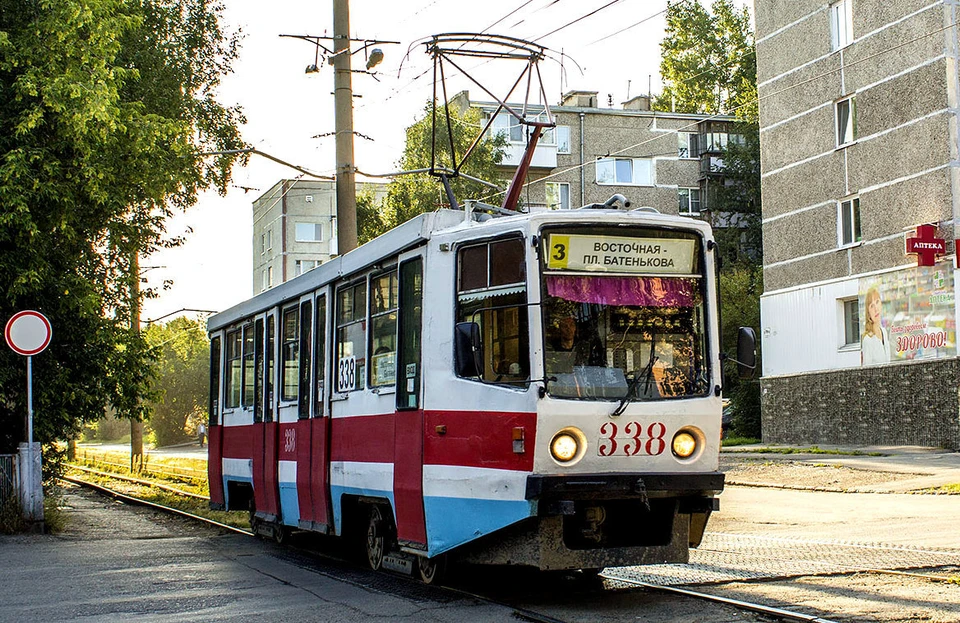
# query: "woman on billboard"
875,343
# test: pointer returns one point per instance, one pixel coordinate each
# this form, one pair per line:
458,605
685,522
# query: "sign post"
28,333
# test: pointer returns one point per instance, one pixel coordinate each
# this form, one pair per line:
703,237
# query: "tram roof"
408,235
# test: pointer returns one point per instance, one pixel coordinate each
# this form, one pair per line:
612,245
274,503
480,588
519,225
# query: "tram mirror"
746,352
468,349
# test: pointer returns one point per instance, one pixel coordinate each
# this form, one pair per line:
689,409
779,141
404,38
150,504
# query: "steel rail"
138,481
743,605
167,509
519,613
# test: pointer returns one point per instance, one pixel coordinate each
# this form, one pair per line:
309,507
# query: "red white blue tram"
540,389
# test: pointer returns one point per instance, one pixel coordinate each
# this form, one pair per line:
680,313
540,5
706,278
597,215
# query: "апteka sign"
28,333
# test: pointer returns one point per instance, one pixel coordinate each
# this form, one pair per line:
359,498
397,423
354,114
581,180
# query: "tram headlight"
684,444
564,447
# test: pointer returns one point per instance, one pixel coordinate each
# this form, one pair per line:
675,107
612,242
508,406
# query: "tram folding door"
409,421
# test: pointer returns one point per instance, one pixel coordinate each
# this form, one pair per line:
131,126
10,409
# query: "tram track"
523,611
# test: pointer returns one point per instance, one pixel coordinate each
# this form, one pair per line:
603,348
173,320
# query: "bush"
745,399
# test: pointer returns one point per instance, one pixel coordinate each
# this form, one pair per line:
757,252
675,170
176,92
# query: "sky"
288,111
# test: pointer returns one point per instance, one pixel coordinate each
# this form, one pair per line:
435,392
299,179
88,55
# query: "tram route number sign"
621,254
632,439
346,374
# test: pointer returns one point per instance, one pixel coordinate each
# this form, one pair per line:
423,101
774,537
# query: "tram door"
408,449
314,431
265,427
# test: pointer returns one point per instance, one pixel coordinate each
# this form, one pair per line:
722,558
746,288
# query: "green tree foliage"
182,378
104,105
410,195
372,217
708,64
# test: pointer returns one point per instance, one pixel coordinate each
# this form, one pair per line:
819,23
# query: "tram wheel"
376,542
254,520
281,534
432,570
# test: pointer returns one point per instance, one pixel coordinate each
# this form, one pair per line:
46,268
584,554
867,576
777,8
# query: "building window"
302,266
688,145
841,23
269,239
851,322
850,221
351,337
631,171
563,139
263,243
689,201
290,355
509,126
846,121
309,232
383,334
558,195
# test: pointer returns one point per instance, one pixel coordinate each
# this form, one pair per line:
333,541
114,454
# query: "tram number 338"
346,374
633,440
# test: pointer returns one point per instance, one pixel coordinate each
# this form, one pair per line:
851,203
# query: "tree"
410,195
182,378
708,64
372,217
104,107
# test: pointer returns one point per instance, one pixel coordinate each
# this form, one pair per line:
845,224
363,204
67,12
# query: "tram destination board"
669,256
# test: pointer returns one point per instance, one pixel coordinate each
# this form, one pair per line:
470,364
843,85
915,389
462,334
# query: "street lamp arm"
251,150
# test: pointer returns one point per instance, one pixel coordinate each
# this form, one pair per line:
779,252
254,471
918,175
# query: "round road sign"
28,332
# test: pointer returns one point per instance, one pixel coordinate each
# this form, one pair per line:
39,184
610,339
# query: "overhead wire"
728,113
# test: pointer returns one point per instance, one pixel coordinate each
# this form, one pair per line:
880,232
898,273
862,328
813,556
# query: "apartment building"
861,192
295,228
669,161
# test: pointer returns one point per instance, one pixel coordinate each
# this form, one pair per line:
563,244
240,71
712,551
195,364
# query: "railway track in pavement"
588,594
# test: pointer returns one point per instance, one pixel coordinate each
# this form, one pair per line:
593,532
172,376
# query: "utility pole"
136,426
343,113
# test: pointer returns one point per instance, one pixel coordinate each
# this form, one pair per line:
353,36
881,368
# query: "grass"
186,473
785,450
944,490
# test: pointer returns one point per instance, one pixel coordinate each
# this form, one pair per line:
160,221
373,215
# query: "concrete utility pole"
343,112
136,426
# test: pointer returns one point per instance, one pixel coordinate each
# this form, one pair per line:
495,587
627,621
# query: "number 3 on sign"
347,374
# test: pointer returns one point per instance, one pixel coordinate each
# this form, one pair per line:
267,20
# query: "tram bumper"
601,520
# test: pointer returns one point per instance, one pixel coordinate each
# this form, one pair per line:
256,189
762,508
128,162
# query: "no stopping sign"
28,332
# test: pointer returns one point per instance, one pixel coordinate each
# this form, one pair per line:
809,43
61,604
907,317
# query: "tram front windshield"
624,316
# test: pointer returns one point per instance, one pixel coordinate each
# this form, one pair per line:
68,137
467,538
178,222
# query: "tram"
538,389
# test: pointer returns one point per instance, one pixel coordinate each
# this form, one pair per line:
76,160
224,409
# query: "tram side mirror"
746,352
468,349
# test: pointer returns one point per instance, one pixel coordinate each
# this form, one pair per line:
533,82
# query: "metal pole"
30,402
343,112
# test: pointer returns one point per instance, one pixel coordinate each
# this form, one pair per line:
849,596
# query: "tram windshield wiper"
646,375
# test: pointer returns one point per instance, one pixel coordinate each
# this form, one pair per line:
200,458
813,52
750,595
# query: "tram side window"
491,291
289,355
306,312
319,352
233,371
213,413
383,334
271,370
248,367
351,337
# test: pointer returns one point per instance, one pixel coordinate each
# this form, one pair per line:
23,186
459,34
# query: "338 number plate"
631,439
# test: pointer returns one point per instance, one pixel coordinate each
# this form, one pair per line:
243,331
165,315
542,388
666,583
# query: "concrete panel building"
295,228
669,161
861,192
